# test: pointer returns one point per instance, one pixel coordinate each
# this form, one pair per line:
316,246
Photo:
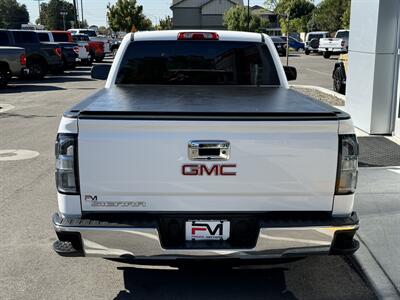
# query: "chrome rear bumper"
114,241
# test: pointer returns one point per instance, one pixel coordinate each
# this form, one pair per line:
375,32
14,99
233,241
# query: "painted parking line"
5,107
319,72
17,154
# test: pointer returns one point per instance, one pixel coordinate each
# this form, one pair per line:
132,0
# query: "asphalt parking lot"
312,69
29,268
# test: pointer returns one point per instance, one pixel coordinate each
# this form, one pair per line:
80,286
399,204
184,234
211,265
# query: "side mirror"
291,73
100,71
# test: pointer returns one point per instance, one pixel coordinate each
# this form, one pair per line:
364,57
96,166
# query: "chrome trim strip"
111,242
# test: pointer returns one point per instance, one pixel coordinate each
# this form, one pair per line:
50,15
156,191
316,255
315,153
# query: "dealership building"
373,86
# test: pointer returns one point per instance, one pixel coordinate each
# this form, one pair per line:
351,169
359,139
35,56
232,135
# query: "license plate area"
242,232
207,230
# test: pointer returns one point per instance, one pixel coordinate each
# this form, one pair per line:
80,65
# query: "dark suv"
41,58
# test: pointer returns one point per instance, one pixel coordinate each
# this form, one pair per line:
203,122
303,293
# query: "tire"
327,54
37,69
89,61
307,52
64,63
3,78
338,85
114,52
99,59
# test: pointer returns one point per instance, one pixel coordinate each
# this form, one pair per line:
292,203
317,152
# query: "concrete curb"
380,282
321,89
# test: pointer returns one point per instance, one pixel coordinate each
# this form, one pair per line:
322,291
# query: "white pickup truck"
337,45
197,149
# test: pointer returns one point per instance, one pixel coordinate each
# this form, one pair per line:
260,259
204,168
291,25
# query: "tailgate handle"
208,150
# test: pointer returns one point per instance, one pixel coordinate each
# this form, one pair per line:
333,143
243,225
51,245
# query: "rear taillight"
76,49
22,59
346,180
66,163
57,51
198,36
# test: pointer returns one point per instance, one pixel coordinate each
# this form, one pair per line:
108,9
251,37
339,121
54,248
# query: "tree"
13,14
300,13
104,30
271,4
346,16
331,15
50,14
126,15
165,24
236,18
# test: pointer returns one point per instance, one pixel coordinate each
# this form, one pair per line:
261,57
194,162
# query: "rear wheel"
3,78
114,52
338,84
99,59
89,60
327,54
37,69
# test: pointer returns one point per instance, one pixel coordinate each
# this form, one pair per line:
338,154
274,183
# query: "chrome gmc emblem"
204,170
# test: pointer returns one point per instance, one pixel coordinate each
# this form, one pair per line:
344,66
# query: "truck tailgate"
136,165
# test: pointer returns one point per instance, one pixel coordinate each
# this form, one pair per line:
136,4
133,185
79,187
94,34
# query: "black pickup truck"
41,58
69,49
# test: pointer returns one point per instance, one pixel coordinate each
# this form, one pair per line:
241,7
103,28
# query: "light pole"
40,17
75,15
286,16
248,15
63,13
82,10
287,37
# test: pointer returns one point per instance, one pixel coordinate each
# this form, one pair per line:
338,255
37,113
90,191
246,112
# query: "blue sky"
95,10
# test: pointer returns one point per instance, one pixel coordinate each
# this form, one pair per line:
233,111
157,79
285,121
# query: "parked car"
293,43
94,37
198,149
69,49
312,41
339,74
41,57
96,48
280,45
337,45
12,63
85,56
115,46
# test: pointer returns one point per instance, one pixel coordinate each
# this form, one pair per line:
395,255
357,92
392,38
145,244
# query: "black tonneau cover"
203,102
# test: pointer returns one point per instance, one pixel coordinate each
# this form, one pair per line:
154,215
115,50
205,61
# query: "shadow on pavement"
23,88
204,284
7,114
312,278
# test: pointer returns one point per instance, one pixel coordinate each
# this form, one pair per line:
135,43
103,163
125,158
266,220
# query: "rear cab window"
43,36
342,34
25,37
4,40
197,63
90,33
80,37
61,37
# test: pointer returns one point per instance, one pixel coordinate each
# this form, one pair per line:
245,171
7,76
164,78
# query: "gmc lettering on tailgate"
204,170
